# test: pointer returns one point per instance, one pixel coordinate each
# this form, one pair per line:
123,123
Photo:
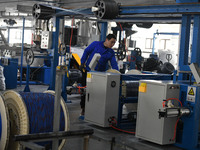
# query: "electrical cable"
121,130
32,74
175,129
172,99
124,38
177,119
71,35
98,27
47,24
115,122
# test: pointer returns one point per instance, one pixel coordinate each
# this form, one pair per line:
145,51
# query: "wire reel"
29,57
121,52
106,9
42,12
62,49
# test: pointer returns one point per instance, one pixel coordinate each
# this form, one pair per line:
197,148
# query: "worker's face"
110,43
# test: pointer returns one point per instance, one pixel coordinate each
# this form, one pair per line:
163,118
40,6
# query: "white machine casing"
102,97
148,125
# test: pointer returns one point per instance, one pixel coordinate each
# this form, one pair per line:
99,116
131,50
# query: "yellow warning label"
191,92
143,87
89,75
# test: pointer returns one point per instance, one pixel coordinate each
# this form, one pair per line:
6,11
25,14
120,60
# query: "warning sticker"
191,93
89,77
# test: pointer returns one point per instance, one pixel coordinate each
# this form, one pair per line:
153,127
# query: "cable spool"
106,9
42,12
4,125
33,113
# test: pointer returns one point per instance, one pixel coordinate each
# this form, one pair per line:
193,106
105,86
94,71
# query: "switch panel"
46,40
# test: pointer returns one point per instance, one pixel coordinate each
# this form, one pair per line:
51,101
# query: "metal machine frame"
184,13
124,123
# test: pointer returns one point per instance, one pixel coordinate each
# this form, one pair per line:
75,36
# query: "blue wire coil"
31,113
40,108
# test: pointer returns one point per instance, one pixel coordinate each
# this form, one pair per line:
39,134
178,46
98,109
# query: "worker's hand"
82,67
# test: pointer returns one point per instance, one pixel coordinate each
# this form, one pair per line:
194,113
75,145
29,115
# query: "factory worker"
104,48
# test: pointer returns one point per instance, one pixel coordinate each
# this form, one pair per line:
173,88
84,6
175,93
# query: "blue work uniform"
107,54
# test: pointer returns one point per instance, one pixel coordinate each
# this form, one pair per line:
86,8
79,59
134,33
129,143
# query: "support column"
22,52
54,61
184,46
104,28
195,58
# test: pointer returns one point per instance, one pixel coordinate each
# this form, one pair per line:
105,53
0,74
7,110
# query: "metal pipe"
22,52
157,33
52,135
172,113
56,119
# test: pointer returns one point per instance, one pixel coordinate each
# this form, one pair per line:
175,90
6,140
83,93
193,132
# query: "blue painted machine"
185,116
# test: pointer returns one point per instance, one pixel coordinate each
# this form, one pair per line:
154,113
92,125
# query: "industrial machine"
168,112
149,125
102,97
107,93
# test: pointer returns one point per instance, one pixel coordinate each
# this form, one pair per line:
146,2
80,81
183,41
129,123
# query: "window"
163,43
149,43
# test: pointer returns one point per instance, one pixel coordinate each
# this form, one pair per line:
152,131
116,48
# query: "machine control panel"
46,39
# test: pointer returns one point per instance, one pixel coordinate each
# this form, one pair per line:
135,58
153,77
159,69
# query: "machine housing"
149,126
102,97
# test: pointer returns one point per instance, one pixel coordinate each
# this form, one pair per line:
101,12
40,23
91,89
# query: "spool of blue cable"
33,113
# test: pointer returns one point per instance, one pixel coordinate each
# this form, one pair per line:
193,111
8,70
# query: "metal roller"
130,88
32,113
42,12
106,9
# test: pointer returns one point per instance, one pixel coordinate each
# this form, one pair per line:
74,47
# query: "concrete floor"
102,137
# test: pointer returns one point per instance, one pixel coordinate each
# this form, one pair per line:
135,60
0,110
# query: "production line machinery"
166,112
185,133
107,93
